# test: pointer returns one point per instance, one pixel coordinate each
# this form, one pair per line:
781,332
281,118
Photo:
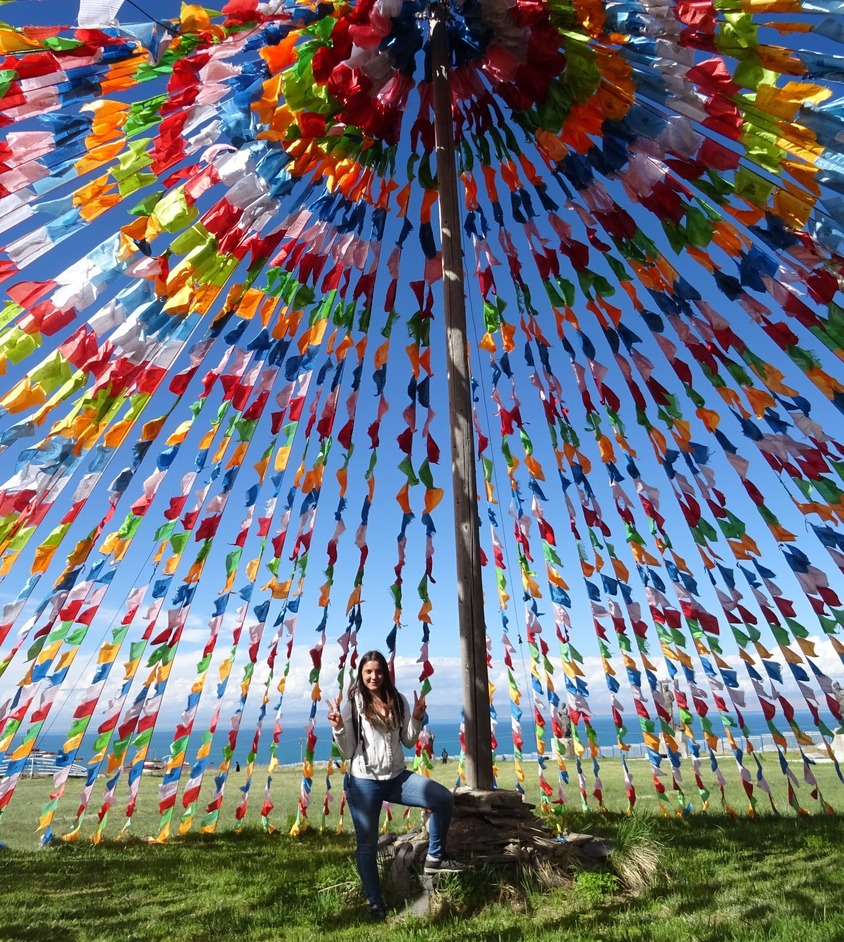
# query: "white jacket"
374,750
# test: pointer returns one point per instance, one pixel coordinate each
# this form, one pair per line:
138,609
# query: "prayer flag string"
193,214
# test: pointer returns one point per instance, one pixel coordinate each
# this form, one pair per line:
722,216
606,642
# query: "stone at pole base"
494,828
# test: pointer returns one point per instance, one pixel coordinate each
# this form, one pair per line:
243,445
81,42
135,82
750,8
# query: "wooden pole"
470,601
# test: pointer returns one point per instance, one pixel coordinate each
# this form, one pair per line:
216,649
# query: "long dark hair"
391,695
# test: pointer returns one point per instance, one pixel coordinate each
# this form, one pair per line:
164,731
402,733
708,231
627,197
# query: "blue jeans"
365,796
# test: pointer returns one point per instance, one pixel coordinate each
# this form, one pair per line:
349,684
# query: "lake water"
446,736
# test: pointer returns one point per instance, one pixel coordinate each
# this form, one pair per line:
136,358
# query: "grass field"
19,823
718,877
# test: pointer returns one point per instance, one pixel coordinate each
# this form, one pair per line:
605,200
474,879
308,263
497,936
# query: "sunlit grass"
19,823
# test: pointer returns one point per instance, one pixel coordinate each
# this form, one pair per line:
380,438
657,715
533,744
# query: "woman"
370,731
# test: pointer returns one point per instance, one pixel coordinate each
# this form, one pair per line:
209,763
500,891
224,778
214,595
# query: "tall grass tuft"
636,854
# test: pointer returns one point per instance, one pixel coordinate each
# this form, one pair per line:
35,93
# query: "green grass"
699,878
718,879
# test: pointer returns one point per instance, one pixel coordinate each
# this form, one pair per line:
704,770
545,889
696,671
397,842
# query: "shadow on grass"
215,887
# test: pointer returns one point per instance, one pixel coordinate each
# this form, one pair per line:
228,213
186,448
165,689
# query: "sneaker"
443,865
377,913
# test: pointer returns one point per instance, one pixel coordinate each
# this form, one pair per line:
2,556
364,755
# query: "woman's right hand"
334,716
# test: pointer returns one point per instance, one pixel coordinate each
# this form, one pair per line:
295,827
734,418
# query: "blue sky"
43,12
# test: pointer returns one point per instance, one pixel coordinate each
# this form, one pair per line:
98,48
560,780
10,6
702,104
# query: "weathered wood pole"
470,600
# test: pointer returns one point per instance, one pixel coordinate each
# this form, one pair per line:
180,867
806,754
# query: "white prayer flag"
94,13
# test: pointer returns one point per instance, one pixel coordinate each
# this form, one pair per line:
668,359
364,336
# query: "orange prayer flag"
432,498
403,499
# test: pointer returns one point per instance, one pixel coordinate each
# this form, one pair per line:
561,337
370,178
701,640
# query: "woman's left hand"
418,706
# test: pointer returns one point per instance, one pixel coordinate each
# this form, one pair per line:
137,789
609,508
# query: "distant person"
370,732
444,756
237,766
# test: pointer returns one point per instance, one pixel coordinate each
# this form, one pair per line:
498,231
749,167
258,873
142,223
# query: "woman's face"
373,676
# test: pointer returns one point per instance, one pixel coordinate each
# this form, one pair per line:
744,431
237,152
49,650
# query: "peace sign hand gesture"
418,706
334,717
